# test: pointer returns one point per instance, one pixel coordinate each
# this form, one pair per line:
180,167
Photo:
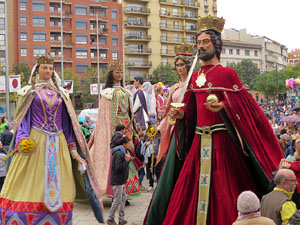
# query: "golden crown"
115,65
211,23
184,49
44,59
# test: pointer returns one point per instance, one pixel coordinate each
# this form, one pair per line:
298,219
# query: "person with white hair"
248,206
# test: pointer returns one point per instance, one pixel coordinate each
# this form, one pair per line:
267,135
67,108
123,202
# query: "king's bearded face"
206,55
206,50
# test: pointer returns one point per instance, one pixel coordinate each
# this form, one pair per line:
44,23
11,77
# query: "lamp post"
98,66
6,66
61,45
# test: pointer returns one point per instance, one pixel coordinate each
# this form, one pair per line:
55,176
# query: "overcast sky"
278,20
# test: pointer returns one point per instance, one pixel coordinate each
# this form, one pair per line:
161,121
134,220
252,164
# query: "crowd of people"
213,151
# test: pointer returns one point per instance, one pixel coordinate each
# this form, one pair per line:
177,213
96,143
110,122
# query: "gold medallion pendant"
201,80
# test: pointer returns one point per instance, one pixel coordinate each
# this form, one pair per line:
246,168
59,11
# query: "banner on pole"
14,83
69,86
94,88
2,84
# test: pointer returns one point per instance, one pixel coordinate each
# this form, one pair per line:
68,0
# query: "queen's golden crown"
115,65
44,59
211,23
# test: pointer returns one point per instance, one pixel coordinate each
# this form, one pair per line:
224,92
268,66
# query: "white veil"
34,69
150,98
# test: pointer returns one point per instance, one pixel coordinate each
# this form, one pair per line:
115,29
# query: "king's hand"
214,107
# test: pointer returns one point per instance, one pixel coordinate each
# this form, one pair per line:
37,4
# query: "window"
81,38
23,20
81,53
23,51
115,55
102,40
81,68
175,25
247,53
238,51
164,36
39,36
176,38
38,6
39,51
38,21
23,5
81,24
102,26
82,79
255,53
92,12
2,9
114,41
224,51
114,13
230,51
103,12
2,24
81,10
175,12
2,37
103,67
103,54
114,27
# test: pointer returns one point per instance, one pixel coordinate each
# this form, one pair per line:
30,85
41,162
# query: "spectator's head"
120,127
247,203
286,180
138,81
126,142
285,138
283,131
160,90
2,120
1,145
6,127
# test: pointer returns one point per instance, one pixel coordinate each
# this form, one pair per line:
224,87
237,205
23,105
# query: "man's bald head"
285,179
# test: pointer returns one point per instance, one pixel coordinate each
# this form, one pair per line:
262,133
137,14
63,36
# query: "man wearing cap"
278,205
248,206
229,144
139,102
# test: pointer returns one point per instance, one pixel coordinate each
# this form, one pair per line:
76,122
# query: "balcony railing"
191,16
191,29
171,14
167,52
137,10
138,37
215,8
170,2
190,4
171,26
138,51
171,39
137,24
138,64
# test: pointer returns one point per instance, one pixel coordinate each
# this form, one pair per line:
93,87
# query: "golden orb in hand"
212,98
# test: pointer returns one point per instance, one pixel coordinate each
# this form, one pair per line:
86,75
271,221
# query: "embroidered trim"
45,131
214,88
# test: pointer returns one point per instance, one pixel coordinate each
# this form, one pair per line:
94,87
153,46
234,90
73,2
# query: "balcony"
139,0
164,26
191,4
171,39
164,13
136,51
167,52
137,37
191,16
137,24
144,11
98,1
168,2
138,64
58,1
215,8
191,29
206,6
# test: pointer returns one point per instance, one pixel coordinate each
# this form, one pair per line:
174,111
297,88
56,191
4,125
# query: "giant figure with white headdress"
43,178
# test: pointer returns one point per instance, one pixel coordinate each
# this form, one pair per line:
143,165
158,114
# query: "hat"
285,137
248,202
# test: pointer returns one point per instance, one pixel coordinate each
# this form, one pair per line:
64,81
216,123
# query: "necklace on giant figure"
201,79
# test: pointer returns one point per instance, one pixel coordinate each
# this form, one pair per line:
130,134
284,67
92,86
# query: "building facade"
152,28
294,57
264,52
37,29
2,36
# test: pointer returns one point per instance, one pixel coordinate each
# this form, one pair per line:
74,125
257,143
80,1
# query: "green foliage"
24,71
90,77
246,71
165,74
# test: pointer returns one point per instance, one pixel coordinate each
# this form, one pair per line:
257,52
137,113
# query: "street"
134,213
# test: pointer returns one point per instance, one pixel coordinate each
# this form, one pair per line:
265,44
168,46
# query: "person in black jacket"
6,138
119,175
117,138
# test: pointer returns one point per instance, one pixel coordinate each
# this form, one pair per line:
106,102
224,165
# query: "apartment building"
264,52
37,29
152,28
294,57
2,36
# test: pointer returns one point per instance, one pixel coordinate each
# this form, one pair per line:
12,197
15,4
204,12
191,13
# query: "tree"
246,71
70,75
24,71
90,77
165,74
